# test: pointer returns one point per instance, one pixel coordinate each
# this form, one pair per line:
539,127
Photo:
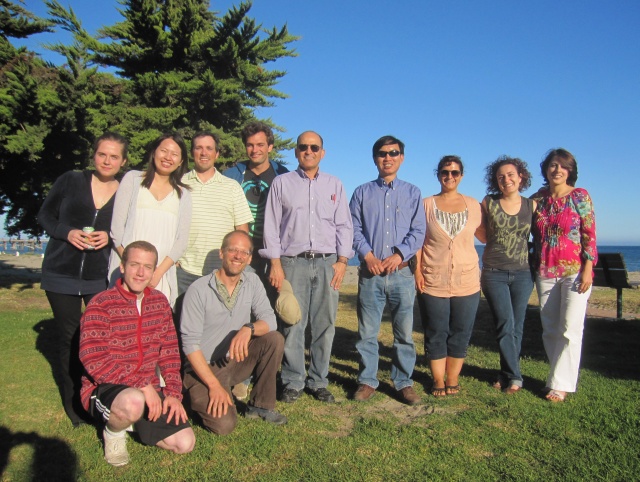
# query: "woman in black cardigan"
77,217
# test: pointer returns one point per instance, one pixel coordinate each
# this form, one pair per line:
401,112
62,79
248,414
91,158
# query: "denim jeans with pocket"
396,289
310,280
507,293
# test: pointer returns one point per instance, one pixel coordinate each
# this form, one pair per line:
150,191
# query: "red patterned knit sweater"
118,345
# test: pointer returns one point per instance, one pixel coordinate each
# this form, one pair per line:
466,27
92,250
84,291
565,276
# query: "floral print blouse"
564,233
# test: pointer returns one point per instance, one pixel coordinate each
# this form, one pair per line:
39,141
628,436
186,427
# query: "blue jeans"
507,293
374,292
185,280
310,279
447,323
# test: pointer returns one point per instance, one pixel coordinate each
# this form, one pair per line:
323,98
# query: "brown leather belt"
402,265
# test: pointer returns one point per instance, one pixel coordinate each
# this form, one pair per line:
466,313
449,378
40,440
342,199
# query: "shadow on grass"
52,459
18,278
47,344
610,347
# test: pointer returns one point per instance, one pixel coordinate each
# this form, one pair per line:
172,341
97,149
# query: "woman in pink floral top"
565,238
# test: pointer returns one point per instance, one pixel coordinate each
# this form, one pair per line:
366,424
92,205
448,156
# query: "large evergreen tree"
178,67
188,69
27,97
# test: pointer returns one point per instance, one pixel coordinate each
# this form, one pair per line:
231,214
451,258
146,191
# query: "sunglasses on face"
445,173
383,154
304,147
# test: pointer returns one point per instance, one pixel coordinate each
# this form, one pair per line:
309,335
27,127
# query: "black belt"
313,255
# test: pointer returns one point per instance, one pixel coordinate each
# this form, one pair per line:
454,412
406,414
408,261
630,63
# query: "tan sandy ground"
27,268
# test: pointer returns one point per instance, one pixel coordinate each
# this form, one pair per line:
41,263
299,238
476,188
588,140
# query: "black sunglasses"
383,154
304,147
454,174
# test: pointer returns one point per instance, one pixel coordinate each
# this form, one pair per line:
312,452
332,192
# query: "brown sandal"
452,389
438,392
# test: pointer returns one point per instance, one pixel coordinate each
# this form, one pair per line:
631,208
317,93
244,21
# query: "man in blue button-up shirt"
308,237
389,226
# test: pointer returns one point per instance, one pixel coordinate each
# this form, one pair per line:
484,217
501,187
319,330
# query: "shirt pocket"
469,276
433,276
402,222
326,209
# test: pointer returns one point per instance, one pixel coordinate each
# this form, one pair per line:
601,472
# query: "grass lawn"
480,434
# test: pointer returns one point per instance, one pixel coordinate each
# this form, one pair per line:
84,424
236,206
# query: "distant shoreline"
29,267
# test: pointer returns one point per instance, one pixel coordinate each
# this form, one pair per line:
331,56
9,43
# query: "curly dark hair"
492,170
565,159
252,128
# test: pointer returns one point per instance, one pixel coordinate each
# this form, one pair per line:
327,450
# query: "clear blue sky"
476,79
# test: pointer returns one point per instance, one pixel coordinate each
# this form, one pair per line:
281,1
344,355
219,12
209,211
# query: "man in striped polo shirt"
219,207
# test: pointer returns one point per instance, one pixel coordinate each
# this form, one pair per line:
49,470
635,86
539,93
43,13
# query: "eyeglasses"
304,147
237,251
383,154
445,173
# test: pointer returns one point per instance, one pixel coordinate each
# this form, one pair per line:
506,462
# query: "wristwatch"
251,327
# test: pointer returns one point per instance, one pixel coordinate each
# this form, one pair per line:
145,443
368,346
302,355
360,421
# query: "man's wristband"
251,327
343,260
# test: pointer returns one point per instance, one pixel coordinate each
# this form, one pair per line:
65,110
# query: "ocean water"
631,254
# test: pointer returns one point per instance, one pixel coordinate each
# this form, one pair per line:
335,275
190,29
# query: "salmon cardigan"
450,266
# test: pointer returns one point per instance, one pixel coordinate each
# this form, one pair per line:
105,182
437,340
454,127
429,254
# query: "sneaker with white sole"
115,450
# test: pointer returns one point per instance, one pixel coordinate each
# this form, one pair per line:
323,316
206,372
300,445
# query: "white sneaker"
115,450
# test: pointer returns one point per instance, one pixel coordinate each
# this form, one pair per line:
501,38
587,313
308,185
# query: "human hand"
98,239
374,265
78,239
276,275
239,347
155,279
390,264
219,401
420,284
585,280
339,269
153,401
175,409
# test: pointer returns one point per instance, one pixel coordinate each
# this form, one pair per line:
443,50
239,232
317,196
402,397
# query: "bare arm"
243,227
276,273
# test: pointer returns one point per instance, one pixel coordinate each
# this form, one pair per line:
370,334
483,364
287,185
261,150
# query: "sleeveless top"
507,235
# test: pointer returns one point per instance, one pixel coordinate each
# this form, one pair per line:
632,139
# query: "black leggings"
67,311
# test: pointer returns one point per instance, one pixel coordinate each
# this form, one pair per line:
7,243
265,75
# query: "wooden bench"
611,272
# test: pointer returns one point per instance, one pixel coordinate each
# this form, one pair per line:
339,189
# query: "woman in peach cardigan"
448,277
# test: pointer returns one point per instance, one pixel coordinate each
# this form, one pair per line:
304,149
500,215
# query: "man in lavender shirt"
308,236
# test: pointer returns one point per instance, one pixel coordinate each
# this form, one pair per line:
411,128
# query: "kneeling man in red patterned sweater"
125,333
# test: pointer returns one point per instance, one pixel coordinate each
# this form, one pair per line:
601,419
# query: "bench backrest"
611,271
